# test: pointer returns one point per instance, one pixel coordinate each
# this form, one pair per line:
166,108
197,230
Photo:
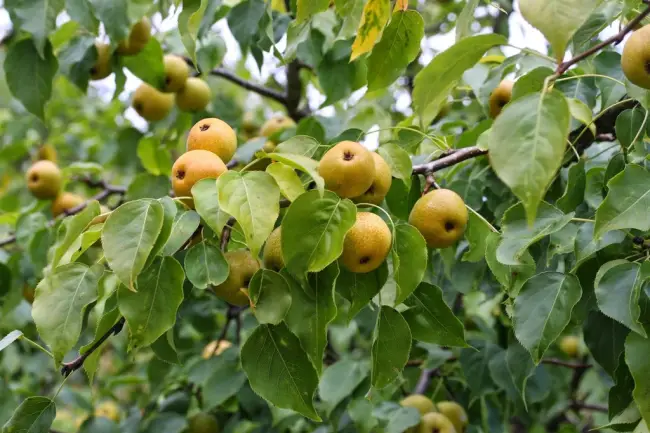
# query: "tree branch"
257,88
553,361
74,365
450,158
225,234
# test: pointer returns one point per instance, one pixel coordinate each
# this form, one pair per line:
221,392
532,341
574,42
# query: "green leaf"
587,245
431,320
618,288
252,198
170,209
375,16
154,159
510,277
339,380
626,203
270,295
206,265
166,422
151,311
475,363
359,289
465,19
60,302
244,19
630,127
518,235
109,314
77,59
574,194
206,203
551,18
398,160
317,227
114,16
543,309
511,370
303,164
189,22
184,226
129,236
605,339
10,338
279,370
165,349
146,186
35,414
287,179
225,381
527,144
313,308
24,64
309,8
70,230
478,230
398,47
582,113
637,351
391,346
80,12
531,82
299,145
445,70
148,64
608,63
409,260
37,17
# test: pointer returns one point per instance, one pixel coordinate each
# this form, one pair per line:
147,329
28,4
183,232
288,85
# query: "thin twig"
553,361
580,405
225,234
424,381
248,85
455,157
430,182
74,365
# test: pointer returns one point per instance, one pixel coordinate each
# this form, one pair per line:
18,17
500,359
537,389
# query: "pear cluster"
440,417
45,181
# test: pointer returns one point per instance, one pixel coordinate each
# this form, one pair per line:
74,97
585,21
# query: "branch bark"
451,158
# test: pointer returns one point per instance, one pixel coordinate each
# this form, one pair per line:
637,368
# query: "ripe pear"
44,179
176,73
635,60
420,402
215,348
203,423
194,96
441,217
242,268
213,135
455,413
275,125
500,96
64,202
380,184
434,422
138,38
570,345
102,67
272,255
193,166
108,409
46,152
151,104
367,244
348,169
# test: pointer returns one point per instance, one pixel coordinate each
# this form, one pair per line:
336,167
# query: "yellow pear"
441,217
203,423
215,348
102,67
242,268
272,255
570,345
434,422
367,244
108,409
500,96
455,413
269,146
635,60
64,202
275,125
420,402
213,135
348,169
194,96
380,184
151,104
138,38
193,166
44,179
176,73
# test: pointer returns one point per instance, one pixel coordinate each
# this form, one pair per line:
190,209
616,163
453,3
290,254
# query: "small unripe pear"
273,251
138,38
276,125
176,73
151,104
194,96
380,184
102,67
65,202
635,60
242,268
44,179
500,96
570,345
420,402
455,413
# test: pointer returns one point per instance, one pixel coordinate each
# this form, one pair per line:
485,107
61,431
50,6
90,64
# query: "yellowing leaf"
374,18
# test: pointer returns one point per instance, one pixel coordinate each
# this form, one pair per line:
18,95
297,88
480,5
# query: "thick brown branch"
257,88
74,365
449,159
553,361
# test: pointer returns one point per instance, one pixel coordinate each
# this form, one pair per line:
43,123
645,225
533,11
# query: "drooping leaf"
189,22
224,382
129,236
390,347
148,64
10,338
151,311
399,45
465,19
206,203
313,307
477,233
339,380
637,351
543,309
37,17
359,289
626,202
80,12
605,339
445,70
24,64
35,414
165,349
527,143
205,265
252,198
243,21
170,209
270,296
114,16
153,157
574,193
108,317
279,370
475,362
398,160
308,8
303,164
375,16
290,184
299,145
77,59
511,369
317,227
60,301
185,224
511,277
71,228
430,318
409,260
